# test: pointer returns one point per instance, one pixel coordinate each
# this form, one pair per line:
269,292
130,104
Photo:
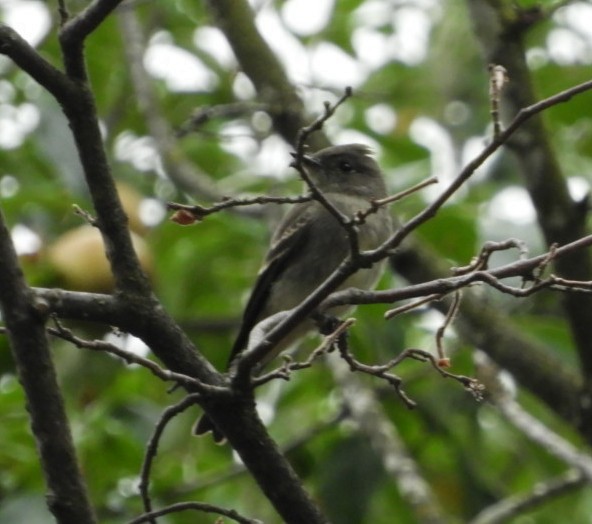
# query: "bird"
310,243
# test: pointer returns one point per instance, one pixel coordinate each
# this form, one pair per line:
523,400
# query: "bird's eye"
345,166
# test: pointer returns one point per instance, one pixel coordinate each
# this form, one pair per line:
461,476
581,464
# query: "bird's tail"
205,425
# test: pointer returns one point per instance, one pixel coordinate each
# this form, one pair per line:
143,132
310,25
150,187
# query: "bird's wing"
289,239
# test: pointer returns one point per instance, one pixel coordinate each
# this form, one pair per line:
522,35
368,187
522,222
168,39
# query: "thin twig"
412,305
481,261
382,371
200,212
318,124
506,510
85,215
498,78
375,205
196,506
285,371
63,12
525,268
131,358
448,320
152,449
298,164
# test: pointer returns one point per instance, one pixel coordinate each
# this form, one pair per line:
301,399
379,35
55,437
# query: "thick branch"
24,316
76,30
236,20
235,415
78,104
26,57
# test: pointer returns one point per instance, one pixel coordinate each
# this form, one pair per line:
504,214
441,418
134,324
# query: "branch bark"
234,413
24,316
236,20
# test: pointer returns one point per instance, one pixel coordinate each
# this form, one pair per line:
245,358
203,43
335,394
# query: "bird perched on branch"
311,242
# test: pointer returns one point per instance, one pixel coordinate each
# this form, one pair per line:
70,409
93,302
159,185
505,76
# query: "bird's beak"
306,160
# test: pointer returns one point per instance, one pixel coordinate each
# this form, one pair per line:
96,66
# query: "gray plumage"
310,243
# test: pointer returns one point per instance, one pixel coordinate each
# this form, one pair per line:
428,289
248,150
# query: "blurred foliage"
424,111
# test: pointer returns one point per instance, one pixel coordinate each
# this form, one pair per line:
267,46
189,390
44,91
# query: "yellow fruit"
78,257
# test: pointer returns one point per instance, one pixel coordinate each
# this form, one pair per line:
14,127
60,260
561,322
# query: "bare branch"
91,220
200,212
24,316
377,204
412,305
196,506
152,449
382,371
318,124
443,286
481,261
365,410
131,358
507,509
75,30
498,78
448,320
285,371
63,11
29,60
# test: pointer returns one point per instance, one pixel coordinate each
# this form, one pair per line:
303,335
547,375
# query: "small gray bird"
310,243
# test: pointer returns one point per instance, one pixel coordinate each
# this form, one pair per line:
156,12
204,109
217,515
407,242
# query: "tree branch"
234,414
366,411
152,448
131,358
67,496
235,18
442,286
74,32
195,506
26,57
561,219
534,365
506,509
